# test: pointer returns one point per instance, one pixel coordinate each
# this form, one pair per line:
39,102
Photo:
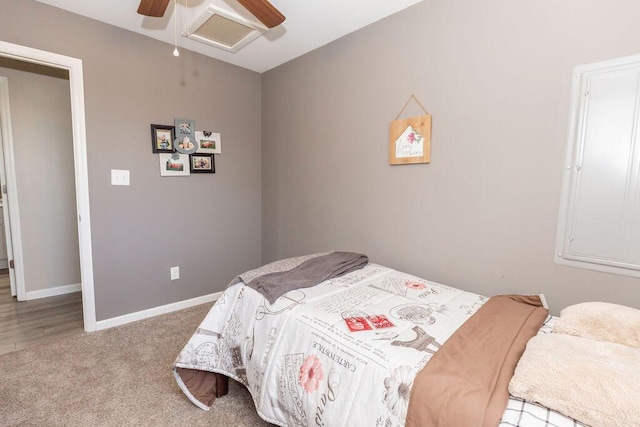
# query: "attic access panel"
224,30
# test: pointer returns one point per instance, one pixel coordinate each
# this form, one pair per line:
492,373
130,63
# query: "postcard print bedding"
348,355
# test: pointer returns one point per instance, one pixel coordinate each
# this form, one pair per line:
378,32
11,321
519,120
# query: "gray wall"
207,224
43,153
482,215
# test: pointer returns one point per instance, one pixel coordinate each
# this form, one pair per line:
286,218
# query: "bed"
345,352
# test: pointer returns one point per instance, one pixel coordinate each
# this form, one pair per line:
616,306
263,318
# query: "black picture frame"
159,136
202,163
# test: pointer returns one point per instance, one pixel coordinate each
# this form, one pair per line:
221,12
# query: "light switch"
119,177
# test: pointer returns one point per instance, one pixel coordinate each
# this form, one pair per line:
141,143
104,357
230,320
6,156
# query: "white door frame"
6,139
76,85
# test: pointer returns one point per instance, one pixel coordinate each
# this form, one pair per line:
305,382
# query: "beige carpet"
116,377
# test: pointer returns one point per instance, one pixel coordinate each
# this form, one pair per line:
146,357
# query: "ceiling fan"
261,9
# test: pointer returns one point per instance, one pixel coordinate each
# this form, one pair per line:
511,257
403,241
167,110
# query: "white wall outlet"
119,177
175,273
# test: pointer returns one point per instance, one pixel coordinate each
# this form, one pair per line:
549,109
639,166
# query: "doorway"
42,167
74,69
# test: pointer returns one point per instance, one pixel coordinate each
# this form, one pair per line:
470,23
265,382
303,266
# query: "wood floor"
27,323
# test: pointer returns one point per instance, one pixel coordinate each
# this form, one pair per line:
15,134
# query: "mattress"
342,353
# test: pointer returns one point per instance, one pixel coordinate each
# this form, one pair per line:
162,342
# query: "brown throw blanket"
309,273
465,382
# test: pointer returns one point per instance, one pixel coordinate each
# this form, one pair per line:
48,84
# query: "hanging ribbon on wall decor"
410,139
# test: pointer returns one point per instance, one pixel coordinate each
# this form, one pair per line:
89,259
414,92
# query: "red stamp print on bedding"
380,321
414,285
356,324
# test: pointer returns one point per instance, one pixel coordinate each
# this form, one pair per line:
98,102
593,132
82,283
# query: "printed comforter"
342,353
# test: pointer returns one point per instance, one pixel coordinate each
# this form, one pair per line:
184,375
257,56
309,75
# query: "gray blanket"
309,273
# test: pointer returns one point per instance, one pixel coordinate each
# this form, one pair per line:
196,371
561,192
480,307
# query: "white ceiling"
309,24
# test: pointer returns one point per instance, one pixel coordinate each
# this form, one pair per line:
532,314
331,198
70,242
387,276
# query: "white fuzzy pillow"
601,321
597,383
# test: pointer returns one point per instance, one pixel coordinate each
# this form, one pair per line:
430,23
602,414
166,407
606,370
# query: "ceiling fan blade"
154,8
264,11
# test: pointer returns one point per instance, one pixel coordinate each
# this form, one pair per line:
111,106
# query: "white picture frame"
208,142
170,166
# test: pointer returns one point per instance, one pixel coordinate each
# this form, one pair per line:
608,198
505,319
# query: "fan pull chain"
175,28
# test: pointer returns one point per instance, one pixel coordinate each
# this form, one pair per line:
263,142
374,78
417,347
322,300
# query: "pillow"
601,321
596,383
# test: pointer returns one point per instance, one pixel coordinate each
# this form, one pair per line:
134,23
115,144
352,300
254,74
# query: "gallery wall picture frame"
185,127
186,145
202,163
174,165
185,136
208,142
162,138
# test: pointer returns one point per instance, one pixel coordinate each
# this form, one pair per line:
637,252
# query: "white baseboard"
163,309
51,292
